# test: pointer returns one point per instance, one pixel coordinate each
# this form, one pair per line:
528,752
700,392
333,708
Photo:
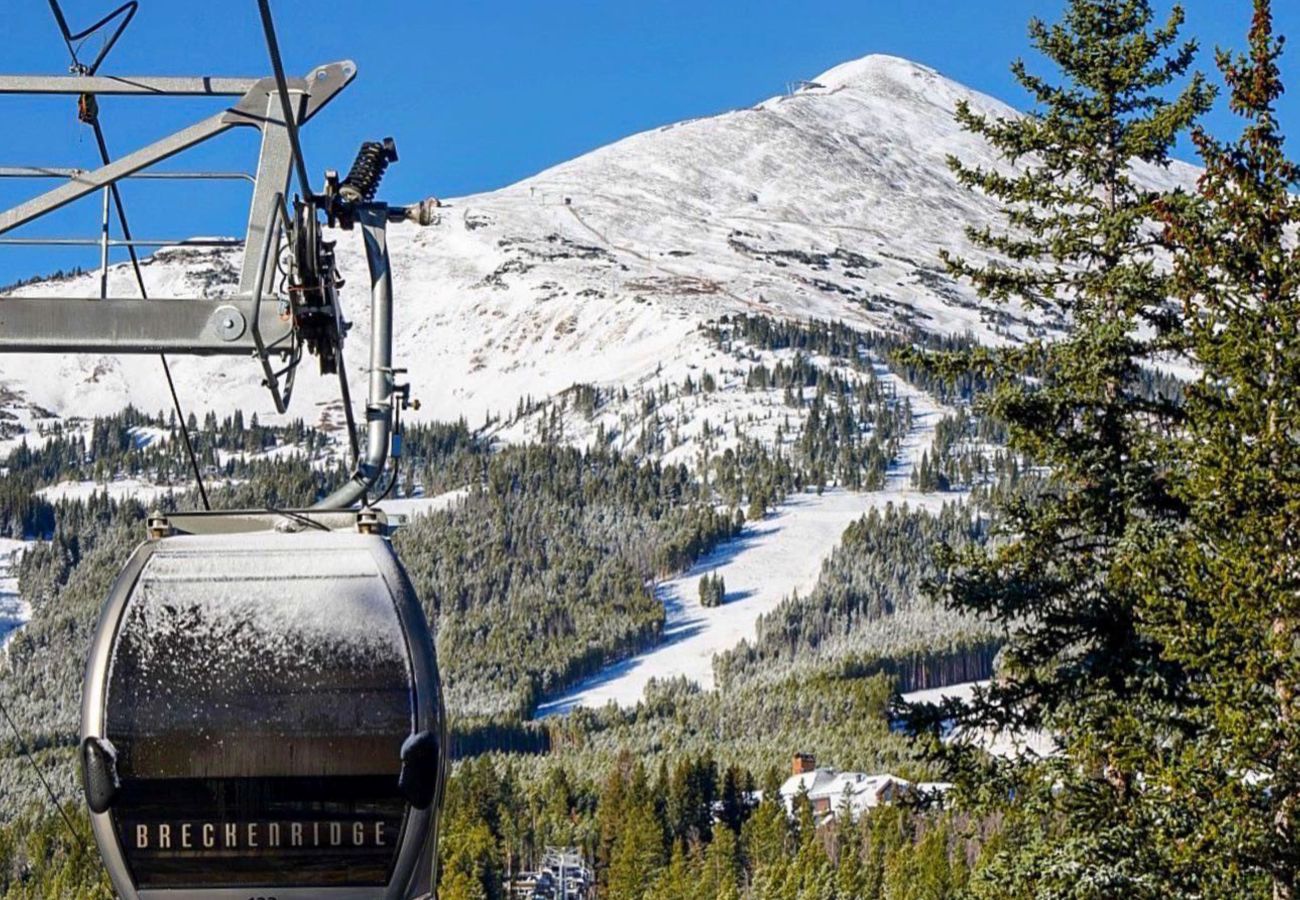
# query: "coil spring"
368,170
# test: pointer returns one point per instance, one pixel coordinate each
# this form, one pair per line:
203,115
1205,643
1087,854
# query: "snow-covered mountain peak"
893,82
831,202
873,70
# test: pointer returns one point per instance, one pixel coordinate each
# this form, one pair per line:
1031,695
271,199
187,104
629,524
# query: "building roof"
860,790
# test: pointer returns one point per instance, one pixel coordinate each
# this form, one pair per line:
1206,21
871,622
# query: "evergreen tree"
1077,244
470,868
638,850
1233,615
850,880
766,836
676,881
722,871
611,811
713,590
735,799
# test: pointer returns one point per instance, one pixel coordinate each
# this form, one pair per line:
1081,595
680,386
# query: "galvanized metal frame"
260,107
278,215
124,13
244,325
72,85
195,327
69,172
241,326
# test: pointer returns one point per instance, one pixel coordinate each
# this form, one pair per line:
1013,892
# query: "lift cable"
90,115
69,37
290,117
304,184
40,775
181,424
185,433
346,394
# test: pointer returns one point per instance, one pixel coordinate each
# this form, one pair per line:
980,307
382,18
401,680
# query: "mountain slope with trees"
1128,554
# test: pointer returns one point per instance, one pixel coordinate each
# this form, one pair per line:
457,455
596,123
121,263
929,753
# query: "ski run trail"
768,561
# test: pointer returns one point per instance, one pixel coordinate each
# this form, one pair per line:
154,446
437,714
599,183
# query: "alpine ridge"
830,202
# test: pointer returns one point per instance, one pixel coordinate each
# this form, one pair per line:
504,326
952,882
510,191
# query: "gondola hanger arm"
320,86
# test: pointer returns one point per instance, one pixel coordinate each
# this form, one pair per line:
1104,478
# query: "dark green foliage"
859,348
550,518
965,455
849,424
23,513
541,575
713,590
867,602
1225,597
690,828
1057,577
840,716
125,445
56,275
65,580
39,858
446,456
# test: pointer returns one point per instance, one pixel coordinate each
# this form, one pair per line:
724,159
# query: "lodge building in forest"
831,792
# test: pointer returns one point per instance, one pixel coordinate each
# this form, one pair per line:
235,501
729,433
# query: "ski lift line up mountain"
261,713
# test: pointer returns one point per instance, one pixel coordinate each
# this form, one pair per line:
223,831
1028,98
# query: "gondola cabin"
262,717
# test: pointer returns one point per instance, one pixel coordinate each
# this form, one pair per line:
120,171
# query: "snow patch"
417,506
601,269
1006,744
264,594
118,489
14,611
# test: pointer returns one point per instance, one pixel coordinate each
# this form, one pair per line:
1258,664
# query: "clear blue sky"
479,95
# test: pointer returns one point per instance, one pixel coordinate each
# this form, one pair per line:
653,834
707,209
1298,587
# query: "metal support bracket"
368,520
199,327
380,409
319,87
246,324
294,351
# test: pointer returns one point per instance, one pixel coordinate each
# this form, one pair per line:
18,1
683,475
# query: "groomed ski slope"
771,559
118,489
128,488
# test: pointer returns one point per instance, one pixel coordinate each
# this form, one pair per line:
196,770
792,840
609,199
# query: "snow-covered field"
831,203
14,611
963,691
415,506
122,488
769,560
1004,743
118,489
